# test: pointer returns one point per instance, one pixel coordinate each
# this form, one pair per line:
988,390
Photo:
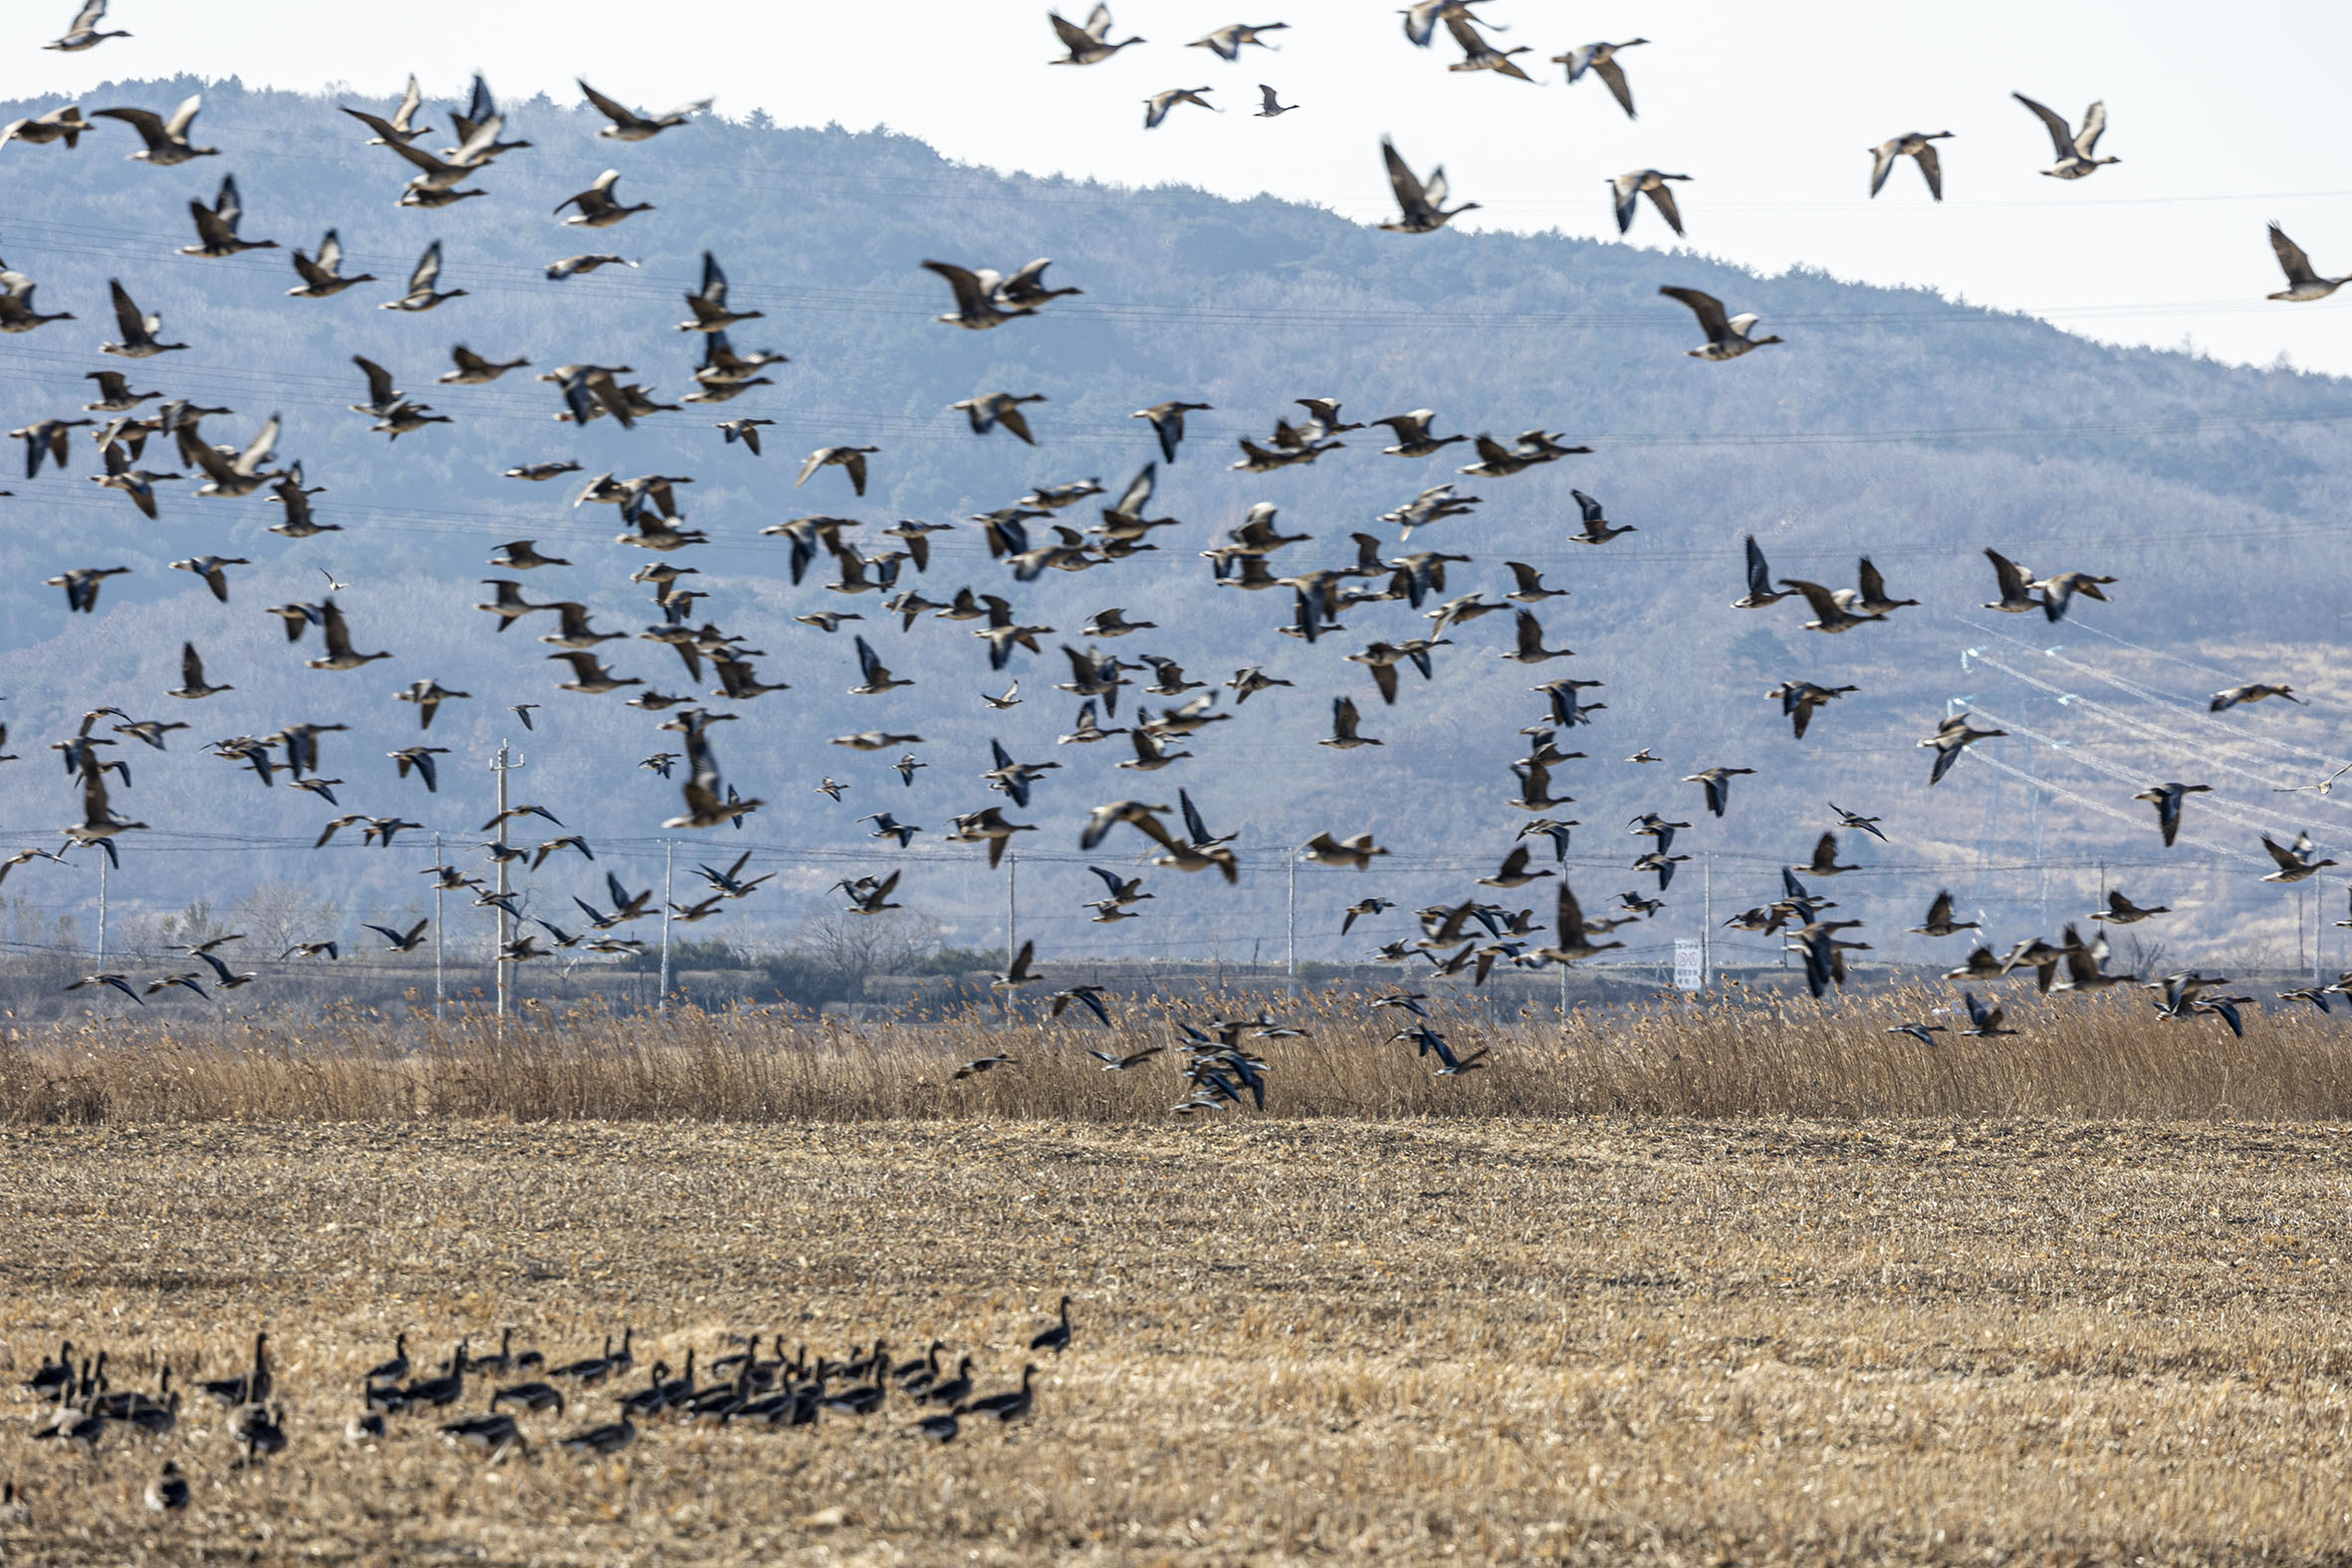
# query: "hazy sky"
1771,110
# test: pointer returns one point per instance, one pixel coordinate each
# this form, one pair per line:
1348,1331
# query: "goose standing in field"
1422,206
322,278
1728,337
629,126
2302,283
59,125
1156,107
217,225
598,209
1601,61
167,139
1630,188
138,328
1912,143
2075,149
2168,800
85,33
1269,107
1089,45
422,293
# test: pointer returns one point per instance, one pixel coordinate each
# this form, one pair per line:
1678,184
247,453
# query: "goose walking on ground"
2075,149
1601,61
2302,283
1004,1407
1421,204
1055,1338
1915,144
1728,337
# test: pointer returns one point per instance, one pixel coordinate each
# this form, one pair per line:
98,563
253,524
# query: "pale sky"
1771,110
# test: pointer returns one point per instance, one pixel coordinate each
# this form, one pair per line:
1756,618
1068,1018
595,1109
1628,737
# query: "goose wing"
185,116
1614,74
2292,258
126,313
1881,161
1073,37
1710,312
379,381
1409,192
1823,601
2094,126
1759,575
2012,577
1874,587
616,113
1662,197
145,121
1933,167
714,283
2062,133
427,272
1530,634
1940,912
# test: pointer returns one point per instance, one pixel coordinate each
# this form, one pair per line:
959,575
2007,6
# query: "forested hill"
1890,422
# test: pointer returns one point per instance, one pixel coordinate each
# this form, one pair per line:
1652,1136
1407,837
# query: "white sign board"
1688,974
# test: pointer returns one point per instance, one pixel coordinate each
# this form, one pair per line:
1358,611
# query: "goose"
1601,61
877,678
2294,861
422,293
590,675
2057,592
59,125
2302,283
704,808
1985,1023
1422,206
1477,53
1716,782
1728,337
978,307
542,472
192,684
289,491
1953,737
2255,692
139,329
2016,587
723,372
149,730
2121,911
392,1370
321,276
338,637
866,896
1859,823
2075,148
1156,107
600,1440
167,139
1227,42
2168,800
1912,143
1597,529
1922,1032
494,1433
1572,941
1513,871
1529,644
401,128
980,1065
1799,699
1056,1337
1830,615
850,459
628,125
1269,106
428,695
51,1376
1939,920
115,393
253,1386
1761,591
999,408
574,630
1014,1406
1344,720
1871,598
2085,971
1631,187
1359,852
474,371
217,225
232,474
1089,45
1824,861
47,438
875,740
17,310
82,585
168,1492
598,209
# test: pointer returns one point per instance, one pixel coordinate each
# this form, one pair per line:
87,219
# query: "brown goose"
167,139
1089,45
217,225
598,209
1421,204
1915,144
321,276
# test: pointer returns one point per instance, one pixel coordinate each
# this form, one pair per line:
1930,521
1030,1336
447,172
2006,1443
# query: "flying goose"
577,266
1227,42
1269,107
2057,591
2168,800
1601,61
474,371
1830,614
2121,911
597,207
1824,861
167,139
1728,337
338,637
1953,737
115,393
2086,965
2294,861
628,125
139,329
82,585
1570,940
17,312
59,125
1799,700
1344,720
192,684
1871,598
84,34
1422,206
1939,922
999,408
321,276
1716,782
978,305
401,128
1528,646
422,295
1761,591
52,439
1156,107
1632,186
2302,283
2075,148
2255,692
1477,53
1985,1023
209,568
704,808
428,695
217,225
1089,45
1912,143
850,459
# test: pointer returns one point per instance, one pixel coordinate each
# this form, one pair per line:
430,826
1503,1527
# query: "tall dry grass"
2103,1056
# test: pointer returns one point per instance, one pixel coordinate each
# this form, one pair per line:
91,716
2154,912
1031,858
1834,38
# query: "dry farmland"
1578,1338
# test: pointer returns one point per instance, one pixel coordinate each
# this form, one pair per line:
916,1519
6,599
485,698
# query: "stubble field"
1581,1339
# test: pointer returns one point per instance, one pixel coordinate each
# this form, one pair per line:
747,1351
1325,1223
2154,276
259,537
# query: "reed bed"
1736,1056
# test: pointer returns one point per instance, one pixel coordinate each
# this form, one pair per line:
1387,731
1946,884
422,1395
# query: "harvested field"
1589,1340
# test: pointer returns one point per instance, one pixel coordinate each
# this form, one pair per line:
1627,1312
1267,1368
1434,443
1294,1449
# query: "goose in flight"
746,430
2121,911
192,684
1527,648
1939,922
1830,614
979,303
428,695
1570,940
1089,45
709,303
577,266
321,276
2302,283
1156,107
2076,150
231,474
1477,53
1000,408
850,459
2016,587
139,329
52,439
1344,720
1631,187
2254,692
1601,61
1953,737
1268,107
1167,423
474,371
82,585
704,808
597,207
59,125
18,314
1985,1023
217,225
2058,591
84,33
1422,206
2168,800
401,128
1919,144
1228,40
422,293
2294,861
629,126
542,472
1728,337
338,637
99,823
1598,530
167,139
1414,440
1761,591
212,570
1717,782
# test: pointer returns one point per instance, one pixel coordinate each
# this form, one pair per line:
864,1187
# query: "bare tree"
847,948
276,915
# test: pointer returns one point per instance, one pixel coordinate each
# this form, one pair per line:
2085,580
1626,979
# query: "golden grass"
2075,1056
1585,1340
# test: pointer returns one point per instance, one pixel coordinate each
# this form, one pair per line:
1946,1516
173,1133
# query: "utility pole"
439,892
1292,919
103,857
1706,921
502,766
669,848
1012,906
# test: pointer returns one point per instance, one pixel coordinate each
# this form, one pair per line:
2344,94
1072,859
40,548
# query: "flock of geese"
1035,532
80,1409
